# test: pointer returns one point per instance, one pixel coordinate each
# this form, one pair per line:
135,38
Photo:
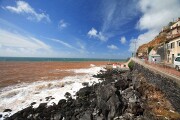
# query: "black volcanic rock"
7,110
33,103
116,97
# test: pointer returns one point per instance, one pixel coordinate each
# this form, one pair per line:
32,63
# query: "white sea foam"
22,95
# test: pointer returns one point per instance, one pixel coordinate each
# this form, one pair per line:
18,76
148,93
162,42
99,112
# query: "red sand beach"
16,72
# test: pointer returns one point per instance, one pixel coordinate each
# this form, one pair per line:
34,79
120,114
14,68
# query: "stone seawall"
167,85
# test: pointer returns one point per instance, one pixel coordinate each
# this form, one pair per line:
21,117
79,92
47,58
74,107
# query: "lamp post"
135,44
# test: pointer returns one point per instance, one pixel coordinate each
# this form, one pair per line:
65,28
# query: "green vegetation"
170,23
131,65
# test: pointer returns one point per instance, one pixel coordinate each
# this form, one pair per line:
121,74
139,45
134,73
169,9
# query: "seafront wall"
167,85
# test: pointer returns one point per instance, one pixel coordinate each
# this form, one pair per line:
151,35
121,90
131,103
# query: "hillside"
152,44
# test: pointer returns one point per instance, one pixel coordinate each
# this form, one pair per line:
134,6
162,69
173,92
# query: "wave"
20,96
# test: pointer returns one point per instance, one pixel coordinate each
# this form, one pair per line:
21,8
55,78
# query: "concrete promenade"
157,70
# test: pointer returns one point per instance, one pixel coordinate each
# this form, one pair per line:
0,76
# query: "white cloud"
95,34
62,24
113,47
62,42
81,45
115,14
155,15
81,49
10,39
14,44
24,8
92,33
22,45
123,40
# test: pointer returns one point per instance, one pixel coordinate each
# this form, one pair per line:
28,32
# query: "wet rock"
61,102
33,103
7,110
85,84
117,97
84,93
68,95
48,98
52,98
0,116
86,116
121,84
57,116
41,107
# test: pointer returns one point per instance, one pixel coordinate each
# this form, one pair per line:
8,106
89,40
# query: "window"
168,46
177,59
172,45
178,54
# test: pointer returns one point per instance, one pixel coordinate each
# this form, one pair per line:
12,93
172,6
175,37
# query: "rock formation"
119,96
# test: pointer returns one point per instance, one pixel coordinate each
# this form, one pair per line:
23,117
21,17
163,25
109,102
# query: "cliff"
157,41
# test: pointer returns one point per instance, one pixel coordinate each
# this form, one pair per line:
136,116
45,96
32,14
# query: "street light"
135,43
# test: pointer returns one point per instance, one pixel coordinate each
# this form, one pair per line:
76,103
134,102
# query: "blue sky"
81,28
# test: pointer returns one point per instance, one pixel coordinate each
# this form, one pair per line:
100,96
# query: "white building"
173,49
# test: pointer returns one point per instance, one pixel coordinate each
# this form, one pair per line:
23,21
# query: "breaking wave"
20,96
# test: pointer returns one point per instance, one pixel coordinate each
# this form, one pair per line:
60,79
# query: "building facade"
173,49
175,28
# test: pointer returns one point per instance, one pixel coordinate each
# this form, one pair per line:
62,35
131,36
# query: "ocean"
26,83
41,59
21,96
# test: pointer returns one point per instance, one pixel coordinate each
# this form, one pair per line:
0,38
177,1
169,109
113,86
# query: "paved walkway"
168,72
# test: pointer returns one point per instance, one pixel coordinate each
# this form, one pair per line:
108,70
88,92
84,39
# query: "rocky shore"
121,95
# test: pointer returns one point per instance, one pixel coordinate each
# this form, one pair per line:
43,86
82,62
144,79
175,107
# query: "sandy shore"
12,73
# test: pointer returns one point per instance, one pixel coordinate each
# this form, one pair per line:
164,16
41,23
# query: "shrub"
131,65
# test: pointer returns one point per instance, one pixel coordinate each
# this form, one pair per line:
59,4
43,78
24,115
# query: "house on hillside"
174,29
167,49
173,48
154,56
165,30
166,44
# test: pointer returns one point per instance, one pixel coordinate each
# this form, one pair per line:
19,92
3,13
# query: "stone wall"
167,85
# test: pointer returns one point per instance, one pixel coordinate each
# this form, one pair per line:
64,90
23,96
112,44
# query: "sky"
81,28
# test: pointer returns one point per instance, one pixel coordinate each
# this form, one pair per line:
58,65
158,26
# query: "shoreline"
117,95
20,96
12,73
56,77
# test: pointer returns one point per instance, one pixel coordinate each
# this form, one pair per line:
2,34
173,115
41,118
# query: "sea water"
55,59
20,96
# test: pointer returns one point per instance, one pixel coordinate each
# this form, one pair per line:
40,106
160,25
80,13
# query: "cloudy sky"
81,28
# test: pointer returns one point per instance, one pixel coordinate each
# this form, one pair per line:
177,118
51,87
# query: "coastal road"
158,70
